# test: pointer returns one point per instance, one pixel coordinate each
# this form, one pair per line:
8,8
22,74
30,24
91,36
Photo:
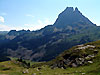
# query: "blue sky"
35,14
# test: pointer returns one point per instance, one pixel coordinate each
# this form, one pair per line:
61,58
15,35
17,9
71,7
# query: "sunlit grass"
91,69
11,68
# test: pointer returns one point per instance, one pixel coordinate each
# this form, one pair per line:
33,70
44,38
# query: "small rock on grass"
90,62
34,74
25,71
83,73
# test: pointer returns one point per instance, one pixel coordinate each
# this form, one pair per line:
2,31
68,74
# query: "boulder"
34,74
90,62
80,61
83,73
25,71
95,51
74,65
39,68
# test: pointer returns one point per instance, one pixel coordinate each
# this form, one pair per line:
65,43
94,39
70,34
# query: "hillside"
79,55
90,52
71,28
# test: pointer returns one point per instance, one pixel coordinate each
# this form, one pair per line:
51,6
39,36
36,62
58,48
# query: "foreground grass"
10,68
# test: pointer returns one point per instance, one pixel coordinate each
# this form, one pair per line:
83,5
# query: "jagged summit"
71,16
71,9
76,9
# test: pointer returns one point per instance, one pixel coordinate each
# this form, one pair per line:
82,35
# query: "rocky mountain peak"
72,17
69,9
76,9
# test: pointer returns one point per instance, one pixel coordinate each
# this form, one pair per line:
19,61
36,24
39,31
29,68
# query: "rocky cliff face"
78,56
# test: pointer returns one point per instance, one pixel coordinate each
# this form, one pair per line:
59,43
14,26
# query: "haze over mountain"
71,28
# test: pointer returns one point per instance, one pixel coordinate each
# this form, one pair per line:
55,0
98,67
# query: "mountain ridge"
47,43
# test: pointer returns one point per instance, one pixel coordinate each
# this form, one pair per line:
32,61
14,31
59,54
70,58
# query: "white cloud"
4,14
40,24
12,27
1,19
43,23
5,27
29,15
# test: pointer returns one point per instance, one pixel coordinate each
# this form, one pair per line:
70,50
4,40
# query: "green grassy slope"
12,68
9,68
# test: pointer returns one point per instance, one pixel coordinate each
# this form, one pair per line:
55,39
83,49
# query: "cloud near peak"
35,26
29,15
2,19
4,14
39,24
5,27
